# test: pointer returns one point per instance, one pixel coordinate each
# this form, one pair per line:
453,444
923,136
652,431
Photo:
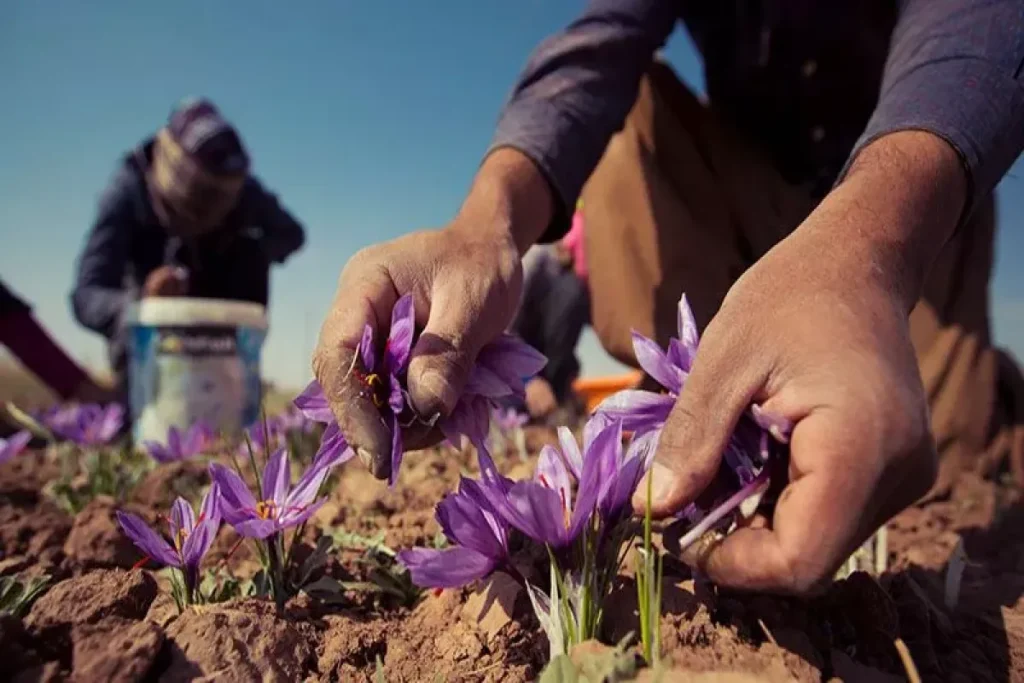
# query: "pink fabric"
573,241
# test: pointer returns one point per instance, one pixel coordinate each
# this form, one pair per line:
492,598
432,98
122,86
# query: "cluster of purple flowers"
499,373
87,425
759,437
279,506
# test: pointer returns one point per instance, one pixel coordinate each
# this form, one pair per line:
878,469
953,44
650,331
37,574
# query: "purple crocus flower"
500,373
480,539
642,411
510,419
15,444
544,508
180,447
88,425
501,370
281,506
191,537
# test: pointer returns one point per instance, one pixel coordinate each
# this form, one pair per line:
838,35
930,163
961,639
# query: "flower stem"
755,485
275,571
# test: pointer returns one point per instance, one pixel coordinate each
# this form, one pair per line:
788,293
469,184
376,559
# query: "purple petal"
551,472
616,501
680,356
449,568
688,334
277,477
403,323
14,445
110,424
174,442
157,452
637,410
396,397
234,494
652,359
485,382
514,355
147,540
196,439
182,517
571,451
600,464
396,450
209,508
313,403
466,522
296,516
334,449
254,527
537,511
198,542
367,350
470,418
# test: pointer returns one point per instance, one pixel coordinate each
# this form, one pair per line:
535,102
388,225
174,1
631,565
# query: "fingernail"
662,479
365,457
436,384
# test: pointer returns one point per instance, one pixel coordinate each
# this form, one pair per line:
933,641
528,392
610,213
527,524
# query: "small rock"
114,650
236,642
87,599
493,605
96,539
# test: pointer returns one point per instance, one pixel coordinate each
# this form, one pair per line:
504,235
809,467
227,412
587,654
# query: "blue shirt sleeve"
576,90
955,69
99,297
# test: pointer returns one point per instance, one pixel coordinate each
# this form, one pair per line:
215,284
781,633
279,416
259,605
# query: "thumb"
443,356
699,427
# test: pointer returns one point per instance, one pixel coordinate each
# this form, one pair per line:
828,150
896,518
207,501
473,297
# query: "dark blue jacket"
126,243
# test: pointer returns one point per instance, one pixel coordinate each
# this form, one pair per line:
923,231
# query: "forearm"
99,309
896,208
510,201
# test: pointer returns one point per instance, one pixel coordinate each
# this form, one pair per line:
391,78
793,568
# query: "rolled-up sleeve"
955,70
576,89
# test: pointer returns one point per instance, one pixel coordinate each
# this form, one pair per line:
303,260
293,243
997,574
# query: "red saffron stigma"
437,592
141,563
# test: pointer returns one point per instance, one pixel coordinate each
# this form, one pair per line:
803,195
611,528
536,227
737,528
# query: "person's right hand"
166,281
465,281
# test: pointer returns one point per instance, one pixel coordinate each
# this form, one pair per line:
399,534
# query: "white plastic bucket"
192,359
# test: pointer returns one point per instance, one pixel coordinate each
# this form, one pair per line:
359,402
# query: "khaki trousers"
681,203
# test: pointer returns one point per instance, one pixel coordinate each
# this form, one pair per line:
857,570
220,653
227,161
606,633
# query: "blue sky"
367,118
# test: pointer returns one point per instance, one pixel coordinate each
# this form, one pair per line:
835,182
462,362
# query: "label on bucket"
181,374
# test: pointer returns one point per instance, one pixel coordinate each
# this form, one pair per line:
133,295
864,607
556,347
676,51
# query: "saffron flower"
281,506
313,405
87,425
577,506
14,445
757,438
181,446
479,538
500,372
191,538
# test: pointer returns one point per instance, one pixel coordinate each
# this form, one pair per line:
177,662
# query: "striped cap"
207,137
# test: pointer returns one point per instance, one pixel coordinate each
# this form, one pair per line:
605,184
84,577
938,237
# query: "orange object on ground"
593,390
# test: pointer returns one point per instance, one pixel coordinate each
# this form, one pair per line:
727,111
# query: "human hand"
465,281
540,398
815,332
166,281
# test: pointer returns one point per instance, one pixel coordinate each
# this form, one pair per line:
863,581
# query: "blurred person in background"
553,310
183,216
26,339
827,209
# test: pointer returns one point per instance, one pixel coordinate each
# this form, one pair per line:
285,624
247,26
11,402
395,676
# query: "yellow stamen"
266,509
376,386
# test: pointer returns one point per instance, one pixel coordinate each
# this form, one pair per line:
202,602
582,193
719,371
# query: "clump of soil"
108,624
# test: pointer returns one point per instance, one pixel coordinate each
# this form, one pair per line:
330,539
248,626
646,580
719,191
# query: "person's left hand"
540,398
817,331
